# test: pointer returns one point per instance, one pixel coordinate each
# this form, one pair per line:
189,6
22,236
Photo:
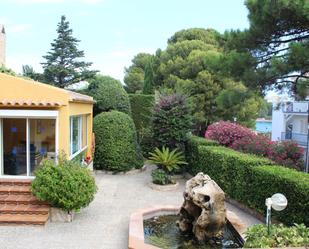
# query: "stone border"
130,172
168,187
136,225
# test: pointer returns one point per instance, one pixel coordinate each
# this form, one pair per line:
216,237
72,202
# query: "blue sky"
111,31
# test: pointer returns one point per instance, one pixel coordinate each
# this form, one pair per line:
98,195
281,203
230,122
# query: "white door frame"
26,114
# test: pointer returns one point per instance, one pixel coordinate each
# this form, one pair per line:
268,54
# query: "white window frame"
26,114
80,136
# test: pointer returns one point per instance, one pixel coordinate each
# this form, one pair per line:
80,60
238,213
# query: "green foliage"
160,177
191,149
67,185
274,47
6,70
266,110
148,79
116,143
251,179
281,236
108,94
142,110
167,160
63,65
135,74
29,72
171,121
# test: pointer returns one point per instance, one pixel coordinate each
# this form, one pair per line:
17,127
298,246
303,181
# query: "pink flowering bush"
289,154
258,145
240,138
226,133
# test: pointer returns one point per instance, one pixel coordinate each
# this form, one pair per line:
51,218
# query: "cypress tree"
63,65
148,79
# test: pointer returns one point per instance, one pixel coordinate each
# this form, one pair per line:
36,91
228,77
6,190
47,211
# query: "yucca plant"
166,159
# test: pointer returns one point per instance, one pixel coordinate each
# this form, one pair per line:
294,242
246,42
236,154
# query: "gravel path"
104,224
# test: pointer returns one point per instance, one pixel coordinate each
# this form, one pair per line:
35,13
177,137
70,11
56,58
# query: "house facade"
39,121
290,122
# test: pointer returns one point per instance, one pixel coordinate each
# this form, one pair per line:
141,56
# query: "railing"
296,107
300,138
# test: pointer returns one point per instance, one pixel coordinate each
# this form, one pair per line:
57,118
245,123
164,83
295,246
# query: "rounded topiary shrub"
109,95
116,144
66,185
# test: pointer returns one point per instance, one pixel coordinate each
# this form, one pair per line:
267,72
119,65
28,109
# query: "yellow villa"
40,121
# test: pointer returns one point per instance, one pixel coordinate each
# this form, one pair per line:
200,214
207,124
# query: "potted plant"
166,161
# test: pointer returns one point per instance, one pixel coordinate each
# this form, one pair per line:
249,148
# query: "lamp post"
278,202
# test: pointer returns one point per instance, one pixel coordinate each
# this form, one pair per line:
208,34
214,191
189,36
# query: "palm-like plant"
166,159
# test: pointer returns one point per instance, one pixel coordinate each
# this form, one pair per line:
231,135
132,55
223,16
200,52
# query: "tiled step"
20,199
24,209
18,182
15,189
23,219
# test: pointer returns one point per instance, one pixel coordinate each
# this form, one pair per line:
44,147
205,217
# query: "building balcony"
300,138
296,108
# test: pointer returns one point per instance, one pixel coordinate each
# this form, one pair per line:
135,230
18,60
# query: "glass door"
14,146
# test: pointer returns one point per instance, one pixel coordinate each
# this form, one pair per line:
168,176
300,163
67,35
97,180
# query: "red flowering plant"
226,133
258,145
289,154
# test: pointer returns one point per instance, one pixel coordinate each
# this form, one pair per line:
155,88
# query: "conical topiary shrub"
116,142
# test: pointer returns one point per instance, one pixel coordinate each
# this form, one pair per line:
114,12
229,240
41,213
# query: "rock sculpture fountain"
203,211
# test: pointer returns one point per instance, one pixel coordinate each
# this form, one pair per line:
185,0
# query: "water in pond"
161,231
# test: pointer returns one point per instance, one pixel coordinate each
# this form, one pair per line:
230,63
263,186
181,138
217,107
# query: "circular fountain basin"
136,226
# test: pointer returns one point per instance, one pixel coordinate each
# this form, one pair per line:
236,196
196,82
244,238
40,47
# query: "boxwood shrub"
116,144
251,179
142,110
67,185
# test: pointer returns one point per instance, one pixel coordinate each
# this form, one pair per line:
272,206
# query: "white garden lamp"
278,202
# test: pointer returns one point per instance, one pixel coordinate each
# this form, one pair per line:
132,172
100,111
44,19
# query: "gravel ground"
104,224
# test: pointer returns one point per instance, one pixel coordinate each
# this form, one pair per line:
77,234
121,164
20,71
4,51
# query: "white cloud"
57,1
18,28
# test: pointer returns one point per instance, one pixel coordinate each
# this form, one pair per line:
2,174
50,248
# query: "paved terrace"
104,224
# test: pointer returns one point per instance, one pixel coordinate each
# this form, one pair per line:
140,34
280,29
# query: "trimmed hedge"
191,150
142,109
251,179
116,144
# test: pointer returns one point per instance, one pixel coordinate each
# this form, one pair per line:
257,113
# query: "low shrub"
171,121
251,179
281,236
67,185
226,133
160,177
116,143
167,160
289,154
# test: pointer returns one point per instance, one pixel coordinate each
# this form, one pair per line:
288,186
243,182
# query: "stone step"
23,209
20,199
18,182
15,189
23,219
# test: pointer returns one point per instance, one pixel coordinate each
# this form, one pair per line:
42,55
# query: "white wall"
278,124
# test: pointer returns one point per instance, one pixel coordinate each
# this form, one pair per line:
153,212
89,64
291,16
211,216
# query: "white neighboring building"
290,122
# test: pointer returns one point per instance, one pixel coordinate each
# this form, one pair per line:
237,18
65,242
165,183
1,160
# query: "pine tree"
63,65
148,79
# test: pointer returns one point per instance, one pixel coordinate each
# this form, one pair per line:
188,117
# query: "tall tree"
63,65
274,50
29,72
148,79
135,74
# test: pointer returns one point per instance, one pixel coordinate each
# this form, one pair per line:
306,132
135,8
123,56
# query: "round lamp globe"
279,202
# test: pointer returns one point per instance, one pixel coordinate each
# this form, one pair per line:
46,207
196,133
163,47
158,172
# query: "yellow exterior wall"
18,89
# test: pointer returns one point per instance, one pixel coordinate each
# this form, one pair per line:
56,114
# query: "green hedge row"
142,109
251,179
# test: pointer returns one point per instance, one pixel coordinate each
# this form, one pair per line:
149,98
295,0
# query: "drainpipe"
307,149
